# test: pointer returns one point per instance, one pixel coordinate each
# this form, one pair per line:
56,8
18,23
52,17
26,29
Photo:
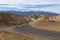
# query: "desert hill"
42,21
11,19
47,22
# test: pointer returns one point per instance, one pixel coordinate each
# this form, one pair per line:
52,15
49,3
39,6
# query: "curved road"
39,34
45,34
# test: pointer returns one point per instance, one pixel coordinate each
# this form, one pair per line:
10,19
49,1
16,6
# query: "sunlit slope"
53,23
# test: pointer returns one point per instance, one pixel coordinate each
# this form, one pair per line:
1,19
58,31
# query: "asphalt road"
44,34
36,33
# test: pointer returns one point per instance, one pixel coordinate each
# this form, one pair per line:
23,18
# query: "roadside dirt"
13,36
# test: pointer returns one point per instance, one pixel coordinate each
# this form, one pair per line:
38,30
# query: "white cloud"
19,4
41,1
29,1
9,1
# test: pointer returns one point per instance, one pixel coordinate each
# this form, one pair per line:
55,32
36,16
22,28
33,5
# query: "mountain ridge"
22,13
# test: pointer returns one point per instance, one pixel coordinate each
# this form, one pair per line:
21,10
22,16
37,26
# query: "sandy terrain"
45,25
12,36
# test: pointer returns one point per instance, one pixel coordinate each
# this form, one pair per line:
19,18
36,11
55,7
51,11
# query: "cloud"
34,5
9,1
41,2
49,8
29,1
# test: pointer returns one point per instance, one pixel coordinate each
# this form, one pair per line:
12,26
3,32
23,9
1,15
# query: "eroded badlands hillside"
10,19
47,22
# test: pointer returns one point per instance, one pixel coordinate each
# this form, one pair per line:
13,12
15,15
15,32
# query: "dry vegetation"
13,36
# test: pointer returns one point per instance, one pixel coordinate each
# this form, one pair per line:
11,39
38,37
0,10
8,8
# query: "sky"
29,1
31,5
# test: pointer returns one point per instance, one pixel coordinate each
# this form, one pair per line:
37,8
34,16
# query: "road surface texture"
44,34
38,34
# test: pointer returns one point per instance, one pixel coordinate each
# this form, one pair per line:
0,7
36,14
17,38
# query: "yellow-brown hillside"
51,24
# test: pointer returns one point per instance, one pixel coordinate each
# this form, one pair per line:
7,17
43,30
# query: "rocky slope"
10,19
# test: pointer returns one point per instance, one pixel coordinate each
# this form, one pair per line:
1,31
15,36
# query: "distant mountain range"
23,13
